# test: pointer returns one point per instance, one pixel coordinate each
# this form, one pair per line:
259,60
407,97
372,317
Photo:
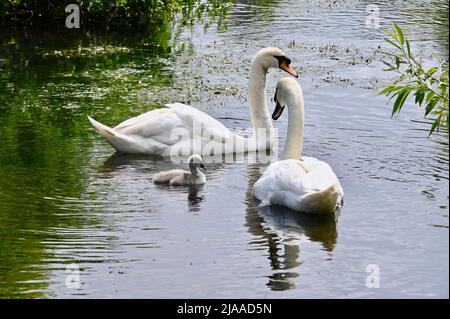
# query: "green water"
65,198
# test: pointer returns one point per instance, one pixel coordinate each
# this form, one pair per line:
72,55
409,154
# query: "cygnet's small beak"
203,166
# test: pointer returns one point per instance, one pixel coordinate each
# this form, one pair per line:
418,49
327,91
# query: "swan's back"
308,186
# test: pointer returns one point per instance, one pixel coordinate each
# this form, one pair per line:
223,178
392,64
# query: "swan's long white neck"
259,113
296,122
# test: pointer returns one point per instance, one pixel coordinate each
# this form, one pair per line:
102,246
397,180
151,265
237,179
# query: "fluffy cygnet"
181,177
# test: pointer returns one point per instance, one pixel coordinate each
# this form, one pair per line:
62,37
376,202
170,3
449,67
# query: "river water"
66,200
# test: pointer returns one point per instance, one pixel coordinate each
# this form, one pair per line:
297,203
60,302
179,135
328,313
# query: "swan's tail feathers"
104,130
325,201
119,141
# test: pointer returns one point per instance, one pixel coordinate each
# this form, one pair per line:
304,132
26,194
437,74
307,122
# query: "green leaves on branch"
430,87
118,14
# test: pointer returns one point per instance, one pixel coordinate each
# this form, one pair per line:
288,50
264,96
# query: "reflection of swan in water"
194,195
148,165
320,229
195,198
281,230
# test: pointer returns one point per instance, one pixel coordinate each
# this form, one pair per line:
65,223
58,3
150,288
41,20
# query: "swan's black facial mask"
284,64
278,108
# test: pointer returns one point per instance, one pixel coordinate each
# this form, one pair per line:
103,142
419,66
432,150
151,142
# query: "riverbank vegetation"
429,85
107,13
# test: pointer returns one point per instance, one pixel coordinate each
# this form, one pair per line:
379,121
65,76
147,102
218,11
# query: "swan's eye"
284,64
282,58
275,96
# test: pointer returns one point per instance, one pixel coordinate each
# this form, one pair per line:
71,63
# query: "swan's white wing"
300,185
156,131
176,115
320,175
281,176
194,117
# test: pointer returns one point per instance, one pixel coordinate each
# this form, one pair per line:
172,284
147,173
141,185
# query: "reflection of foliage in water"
49,82
115,14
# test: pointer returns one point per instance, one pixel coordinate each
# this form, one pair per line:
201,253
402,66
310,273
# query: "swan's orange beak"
278,111
284,65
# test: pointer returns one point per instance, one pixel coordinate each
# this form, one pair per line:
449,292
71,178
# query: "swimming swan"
158,131
301,184
181,177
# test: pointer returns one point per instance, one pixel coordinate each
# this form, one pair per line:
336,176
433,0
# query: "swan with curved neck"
159,131
303,184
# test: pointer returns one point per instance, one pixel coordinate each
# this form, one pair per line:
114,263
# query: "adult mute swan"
181,177
182,128
302,184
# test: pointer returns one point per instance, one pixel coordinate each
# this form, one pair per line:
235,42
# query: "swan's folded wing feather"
164,122
149,124
320,175
293,178
138,119
279,178
190,114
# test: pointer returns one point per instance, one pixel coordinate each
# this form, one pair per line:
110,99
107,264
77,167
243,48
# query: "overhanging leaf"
390,89
436,123
392,43
399,32
431,105
430,95
408,48
431,71
401,98
420,94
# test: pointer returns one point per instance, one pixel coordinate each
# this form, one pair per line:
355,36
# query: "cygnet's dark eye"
275,96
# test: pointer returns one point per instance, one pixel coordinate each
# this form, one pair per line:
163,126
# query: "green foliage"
430,87
110,13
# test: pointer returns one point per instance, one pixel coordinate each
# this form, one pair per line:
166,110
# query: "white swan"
181,177
307,184
182,128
